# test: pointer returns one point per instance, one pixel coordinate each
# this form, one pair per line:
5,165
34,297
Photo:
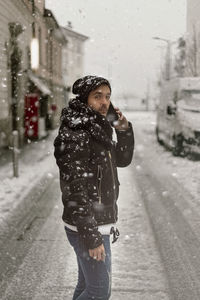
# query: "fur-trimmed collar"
80,116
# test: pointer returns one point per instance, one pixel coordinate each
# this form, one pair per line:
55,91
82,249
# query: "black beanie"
83,86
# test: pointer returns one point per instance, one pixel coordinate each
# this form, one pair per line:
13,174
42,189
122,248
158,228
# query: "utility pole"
15,56
15,153
147,95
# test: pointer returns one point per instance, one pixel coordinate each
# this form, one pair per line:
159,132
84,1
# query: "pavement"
36,166
6,152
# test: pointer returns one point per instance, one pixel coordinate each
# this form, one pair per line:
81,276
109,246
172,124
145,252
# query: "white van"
178,115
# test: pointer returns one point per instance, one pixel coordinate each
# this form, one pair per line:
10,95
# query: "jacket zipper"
113,180
99,177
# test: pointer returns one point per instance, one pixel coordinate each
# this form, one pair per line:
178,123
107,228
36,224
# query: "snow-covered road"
157,255
172,204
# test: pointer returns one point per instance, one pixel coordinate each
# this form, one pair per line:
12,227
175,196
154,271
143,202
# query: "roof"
71,32
56,27
48,14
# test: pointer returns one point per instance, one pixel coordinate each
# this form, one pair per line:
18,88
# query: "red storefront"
31,115
36,108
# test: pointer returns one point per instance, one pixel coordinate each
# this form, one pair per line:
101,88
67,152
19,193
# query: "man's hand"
121,123
98,253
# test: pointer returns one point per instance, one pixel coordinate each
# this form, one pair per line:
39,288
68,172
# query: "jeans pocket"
76,242
68,230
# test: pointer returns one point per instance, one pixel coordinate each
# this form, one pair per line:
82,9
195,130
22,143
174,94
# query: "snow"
136,255
35,162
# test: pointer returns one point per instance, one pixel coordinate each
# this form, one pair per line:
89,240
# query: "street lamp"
34,50
34,54
168,55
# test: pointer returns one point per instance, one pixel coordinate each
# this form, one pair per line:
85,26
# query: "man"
88,158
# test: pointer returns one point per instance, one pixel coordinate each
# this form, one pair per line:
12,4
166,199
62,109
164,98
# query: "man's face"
99,99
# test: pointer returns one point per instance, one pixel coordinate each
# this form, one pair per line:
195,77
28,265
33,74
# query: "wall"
12,11
73,57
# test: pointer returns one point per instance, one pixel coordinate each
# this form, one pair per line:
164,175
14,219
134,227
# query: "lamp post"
168,56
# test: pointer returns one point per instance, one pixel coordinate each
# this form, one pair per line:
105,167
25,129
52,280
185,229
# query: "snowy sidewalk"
35,165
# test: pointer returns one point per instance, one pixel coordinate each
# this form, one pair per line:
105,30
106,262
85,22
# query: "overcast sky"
121,45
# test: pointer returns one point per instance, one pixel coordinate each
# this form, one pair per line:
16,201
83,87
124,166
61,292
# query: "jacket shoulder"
67,135
71,142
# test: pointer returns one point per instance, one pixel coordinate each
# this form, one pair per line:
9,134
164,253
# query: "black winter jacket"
88,158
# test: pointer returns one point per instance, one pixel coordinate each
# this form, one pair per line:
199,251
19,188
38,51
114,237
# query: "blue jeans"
94,277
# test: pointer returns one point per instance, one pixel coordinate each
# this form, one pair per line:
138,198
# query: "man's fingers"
97,253
99,256
118,112
121,116
103,256
92,253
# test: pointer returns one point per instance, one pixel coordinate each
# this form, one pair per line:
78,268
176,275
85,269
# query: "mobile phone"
112,116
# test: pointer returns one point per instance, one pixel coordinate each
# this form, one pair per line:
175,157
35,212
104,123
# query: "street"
157,255
61,70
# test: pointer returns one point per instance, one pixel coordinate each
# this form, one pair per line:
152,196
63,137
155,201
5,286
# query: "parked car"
178,115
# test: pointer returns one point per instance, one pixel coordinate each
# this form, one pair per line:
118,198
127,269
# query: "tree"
180,58
192,55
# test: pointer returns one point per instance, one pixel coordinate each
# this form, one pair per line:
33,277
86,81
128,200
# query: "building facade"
15,38
73,57
31,96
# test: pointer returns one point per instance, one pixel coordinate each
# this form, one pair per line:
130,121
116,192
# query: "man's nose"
104,100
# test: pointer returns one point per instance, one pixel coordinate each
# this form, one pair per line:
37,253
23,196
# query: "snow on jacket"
88,158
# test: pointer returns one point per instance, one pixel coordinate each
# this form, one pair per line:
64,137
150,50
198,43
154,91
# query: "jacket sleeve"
72,154
124,146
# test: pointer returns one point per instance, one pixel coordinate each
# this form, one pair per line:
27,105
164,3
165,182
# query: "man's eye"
97,97
107,97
